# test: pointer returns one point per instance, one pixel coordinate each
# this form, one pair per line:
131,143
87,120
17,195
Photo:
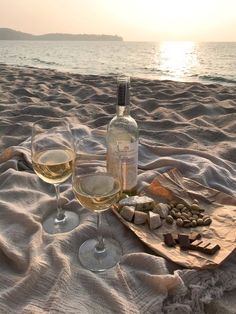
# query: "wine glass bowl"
58,170
53,155
96,190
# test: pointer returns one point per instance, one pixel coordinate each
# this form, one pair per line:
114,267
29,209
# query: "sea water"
181,61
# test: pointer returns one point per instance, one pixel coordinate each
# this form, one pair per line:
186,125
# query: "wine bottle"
122,140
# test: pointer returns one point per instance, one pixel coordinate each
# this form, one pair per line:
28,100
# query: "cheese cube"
161,209
154,220
127,212
140,217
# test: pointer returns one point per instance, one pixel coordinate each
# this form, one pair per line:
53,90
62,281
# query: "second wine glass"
96,190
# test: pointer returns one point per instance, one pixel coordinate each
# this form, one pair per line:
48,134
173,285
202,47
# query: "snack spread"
142,209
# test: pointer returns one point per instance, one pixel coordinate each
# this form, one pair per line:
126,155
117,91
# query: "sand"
188,126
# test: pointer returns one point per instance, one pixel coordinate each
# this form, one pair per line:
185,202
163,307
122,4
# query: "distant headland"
10,34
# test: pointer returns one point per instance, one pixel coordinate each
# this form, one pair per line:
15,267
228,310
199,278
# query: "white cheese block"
154,220
141,203
140,217
127,212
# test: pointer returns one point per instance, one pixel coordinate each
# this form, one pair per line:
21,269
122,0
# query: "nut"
195,207
179,206
207,221
169,219
185,215
178,215
179,222
200,221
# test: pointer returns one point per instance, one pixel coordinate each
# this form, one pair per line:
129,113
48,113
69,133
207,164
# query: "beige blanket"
187,126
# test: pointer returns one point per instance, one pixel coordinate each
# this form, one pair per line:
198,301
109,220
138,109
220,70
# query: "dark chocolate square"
184,241
169,240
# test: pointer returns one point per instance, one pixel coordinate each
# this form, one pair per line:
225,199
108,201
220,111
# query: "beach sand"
188,115
188,126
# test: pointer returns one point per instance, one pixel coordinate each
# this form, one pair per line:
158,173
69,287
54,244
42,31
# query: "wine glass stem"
60,212
100,245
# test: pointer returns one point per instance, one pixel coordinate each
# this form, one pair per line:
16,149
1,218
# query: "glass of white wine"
96,190
53,155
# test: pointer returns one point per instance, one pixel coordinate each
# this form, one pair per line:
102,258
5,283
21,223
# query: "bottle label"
123,163
126,149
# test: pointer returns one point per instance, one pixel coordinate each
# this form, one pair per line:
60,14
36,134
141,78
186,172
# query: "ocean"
181,61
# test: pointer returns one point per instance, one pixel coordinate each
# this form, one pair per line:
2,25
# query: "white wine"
96,191
54,165
122,141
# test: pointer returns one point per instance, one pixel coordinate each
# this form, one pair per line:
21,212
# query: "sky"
134,20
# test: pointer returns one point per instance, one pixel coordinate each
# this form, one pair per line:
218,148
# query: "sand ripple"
174,114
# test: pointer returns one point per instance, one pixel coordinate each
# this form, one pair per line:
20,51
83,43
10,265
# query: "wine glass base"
71,221
97,261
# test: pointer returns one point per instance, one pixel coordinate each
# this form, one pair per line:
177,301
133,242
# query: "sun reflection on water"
176,59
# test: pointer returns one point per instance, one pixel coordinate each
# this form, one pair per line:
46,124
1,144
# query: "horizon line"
123,38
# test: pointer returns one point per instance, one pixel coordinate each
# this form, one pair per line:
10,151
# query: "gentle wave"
217,79
45,62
